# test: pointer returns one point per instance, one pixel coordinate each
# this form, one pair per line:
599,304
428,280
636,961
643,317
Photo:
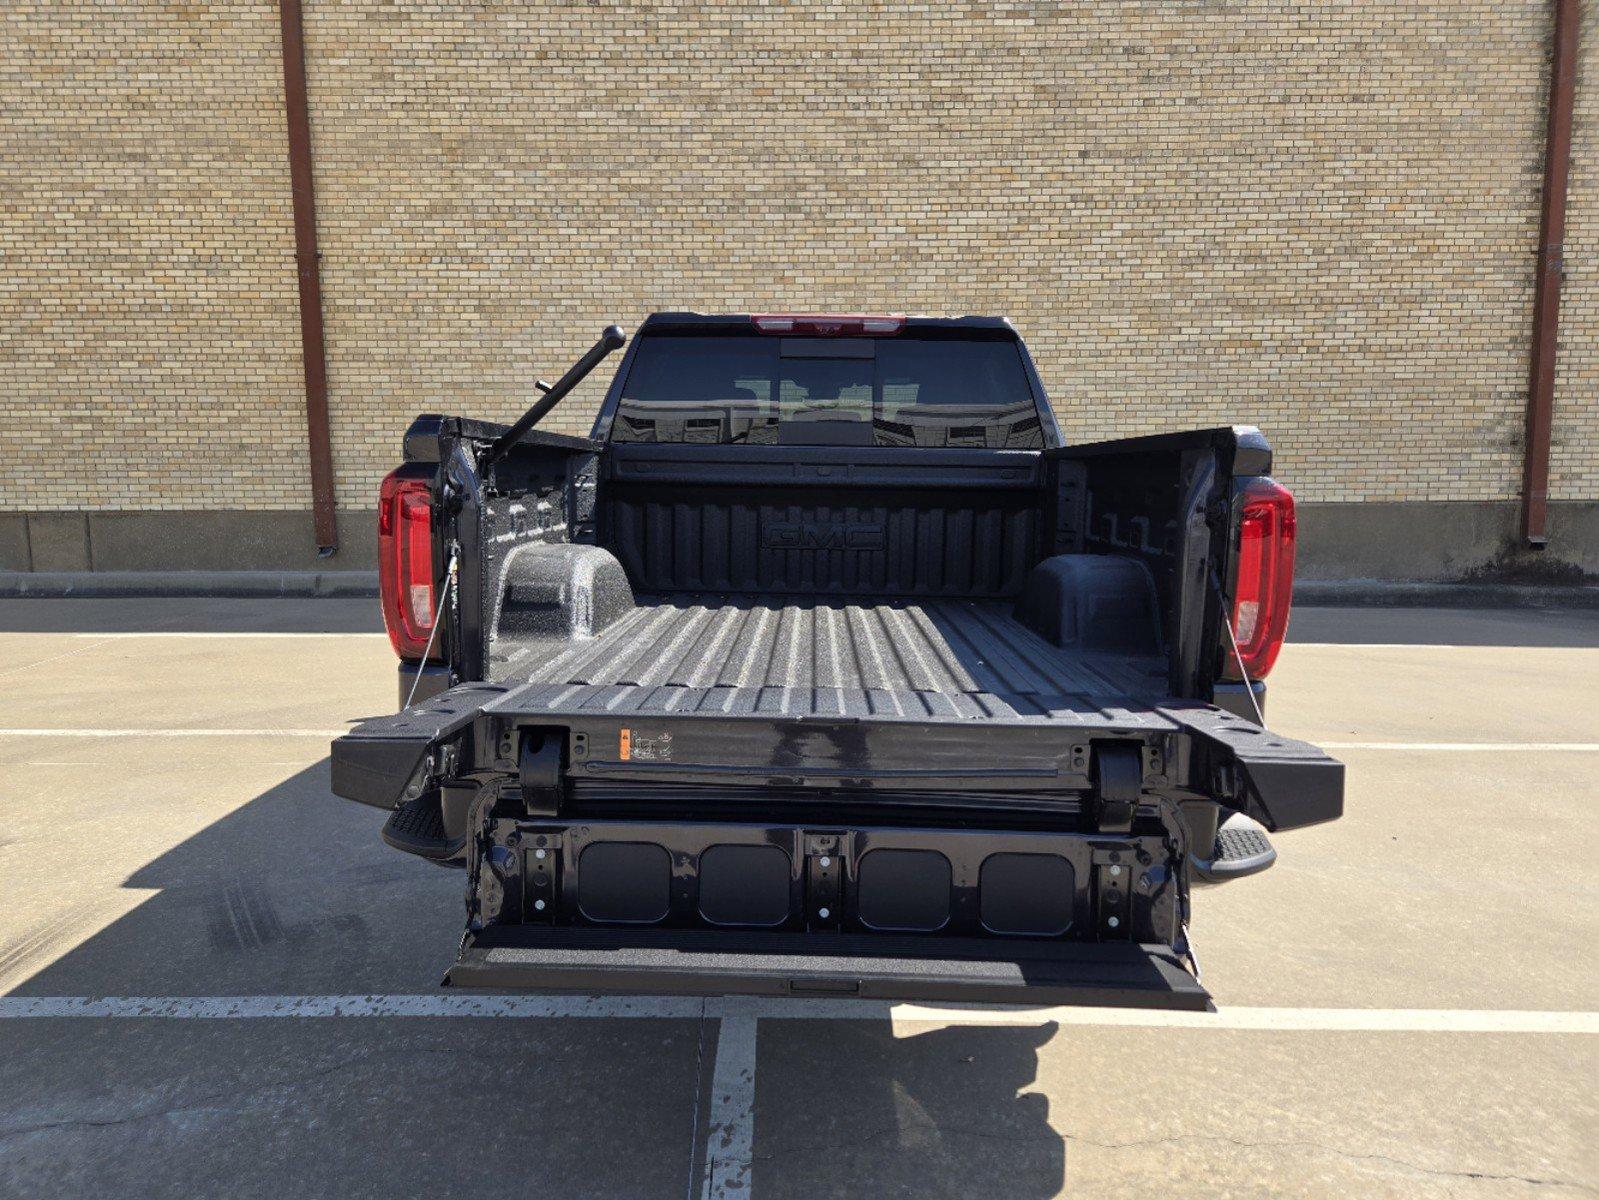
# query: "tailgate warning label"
643,747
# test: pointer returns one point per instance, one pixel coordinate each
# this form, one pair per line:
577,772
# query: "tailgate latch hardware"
824,880
541,878
1118,776
538,766
1113,892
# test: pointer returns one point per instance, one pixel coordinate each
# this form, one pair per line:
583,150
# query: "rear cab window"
907,390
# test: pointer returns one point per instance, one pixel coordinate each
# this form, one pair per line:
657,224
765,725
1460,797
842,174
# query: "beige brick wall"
1574,452
1318,218
149,352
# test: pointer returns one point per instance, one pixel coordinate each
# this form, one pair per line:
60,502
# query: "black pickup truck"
823,668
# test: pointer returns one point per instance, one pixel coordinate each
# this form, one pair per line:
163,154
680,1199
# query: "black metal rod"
612,339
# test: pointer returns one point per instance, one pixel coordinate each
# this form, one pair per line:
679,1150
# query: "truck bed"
776,658
893,697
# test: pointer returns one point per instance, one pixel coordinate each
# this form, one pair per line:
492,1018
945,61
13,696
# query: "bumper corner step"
1242,848
417,827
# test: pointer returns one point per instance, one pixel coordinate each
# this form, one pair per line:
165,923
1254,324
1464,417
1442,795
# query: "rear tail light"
405,560
830,324
1265,582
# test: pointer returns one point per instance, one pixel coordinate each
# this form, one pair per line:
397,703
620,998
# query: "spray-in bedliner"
733,656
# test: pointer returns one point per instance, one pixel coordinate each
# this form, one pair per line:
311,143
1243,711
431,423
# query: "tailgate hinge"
1118,776
538,766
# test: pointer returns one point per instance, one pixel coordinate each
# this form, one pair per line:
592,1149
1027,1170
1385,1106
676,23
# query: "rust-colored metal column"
1551,269
308,258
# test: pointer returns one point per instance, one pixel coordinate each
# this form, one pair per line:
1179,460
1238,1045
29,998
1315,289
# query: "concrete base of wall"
1404,542
1445,541
182,541
1313,593
235,585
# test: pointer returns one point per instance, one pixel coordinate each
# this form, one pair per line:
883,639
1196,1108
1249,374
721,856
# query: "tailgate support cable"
1193,959
1238,655
1249,688
438,615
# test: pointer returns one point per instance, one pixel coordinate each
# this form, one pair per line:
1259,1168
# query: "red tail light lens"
1265,584
830,324
405,561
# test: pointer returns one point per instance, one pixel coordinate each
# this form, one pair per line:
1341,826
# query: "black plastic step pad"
417,827
1237,844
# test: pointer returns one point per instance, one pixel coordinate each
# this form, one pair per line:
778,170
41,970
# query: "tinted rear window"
899,391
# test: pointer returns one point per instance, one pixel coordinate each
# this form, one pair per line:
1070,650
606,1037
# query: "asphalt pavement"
216,980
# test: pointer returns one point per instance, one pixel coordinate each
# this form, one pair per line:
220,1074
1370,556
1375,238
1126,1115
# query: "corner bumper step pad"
807,965
417,827
1242,848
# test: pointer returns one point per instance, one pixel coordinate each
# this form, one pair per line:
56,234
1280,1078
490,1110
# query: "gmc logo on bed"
820,535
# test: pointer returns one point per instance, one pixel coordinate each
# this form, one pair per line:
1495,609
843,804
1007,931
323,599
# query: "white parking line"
730,1130
230,633
530,1006
367,633
171,733
1466,747
1293,645
1271,1020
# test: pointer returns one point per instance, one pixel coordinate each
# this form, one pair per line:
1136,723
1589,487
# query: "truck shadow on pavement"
293,893
847,1108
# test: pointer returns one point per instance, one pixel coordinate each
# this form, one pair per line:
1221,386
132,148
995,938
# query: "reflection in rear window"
901,391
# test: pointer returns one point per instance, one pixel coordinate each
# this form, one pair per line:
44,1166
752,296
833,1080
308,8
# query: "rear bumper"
476,727
942,970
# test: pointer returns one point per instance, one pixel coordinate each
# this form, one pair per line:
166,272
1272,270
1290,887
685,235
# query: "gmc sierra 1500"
822,667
